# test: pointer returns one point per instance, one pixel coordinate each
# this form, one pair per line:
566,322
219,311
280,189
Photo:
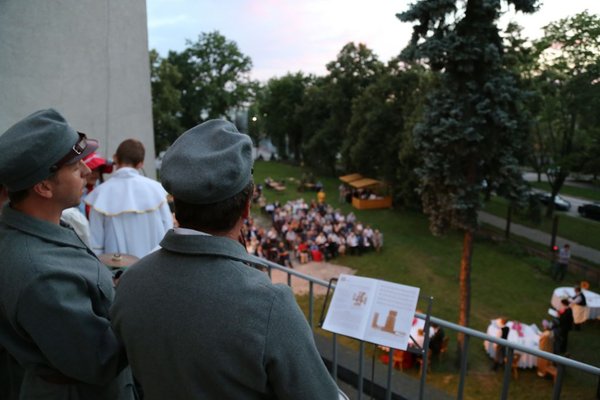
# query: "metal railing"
561,362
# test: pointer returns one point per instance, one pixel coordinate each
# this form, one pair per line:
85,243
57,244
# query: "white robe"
129,214
80,224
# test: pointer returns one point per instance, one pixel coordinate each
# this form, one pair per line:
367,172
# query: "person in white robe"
129,213
78,222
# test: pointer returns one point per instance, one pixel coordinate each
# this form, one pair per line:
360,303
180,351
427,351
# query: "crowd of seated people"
307,232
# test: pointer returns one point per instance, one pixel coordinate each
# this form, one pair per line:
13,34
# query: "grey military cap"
38,145
208,164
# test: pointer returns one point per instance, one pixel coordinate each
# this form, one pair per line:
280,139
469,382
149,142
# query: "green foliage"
215,78
379,140
568,64
278,110
166,101
355,68
472,128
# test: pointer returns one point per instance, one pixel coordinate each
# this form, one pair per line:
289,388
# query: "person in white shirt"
129,213
564,255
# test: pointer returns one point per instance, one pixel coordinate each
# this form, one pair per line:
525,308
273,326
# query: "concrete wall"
86,58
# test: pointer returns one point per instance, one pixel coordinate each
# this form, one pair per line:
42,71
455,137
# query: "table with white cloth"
529,336
417,332
580,314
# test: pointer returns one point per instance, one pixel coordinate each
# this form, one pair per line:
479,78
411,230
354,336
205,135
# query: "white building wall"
86,58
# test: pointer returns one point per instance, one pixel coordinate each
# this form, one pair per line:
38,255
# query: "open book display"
372,310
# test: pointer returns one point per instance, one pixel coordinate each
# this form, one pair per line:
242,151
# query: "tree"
166,105
314,114
568,68
282,99
215,78
355,68
471,129
520,58
383,118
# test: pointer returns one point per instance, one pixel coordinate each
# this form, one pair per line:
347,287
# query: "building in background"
86,58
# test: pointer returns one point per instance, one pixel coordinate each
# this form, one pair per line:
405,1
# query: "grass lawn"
579,230
505,282
591,193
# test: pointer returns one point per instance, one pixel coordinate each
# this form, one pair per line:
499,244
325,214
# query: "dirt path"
321,270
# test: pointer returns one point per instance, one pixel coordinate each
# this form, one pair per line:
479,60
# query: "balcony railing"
511,347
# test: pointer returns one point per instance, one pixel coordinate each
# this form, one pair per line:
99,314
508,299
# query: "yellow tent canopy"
365,183
350,178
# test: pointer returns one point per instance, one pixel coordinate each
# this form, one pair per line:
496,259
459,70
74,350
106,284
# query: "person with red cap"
99,166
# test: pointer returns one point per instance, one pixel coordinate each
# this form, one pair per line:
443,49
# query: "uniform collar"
45,230
124,172
208,245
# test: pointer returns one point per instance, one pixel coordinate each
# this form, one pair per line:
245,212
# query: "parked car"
590,210
560,203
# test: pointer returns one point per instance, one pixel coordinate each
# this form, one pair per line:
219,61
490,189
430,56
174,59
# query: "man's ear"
43,189
246,212
139,165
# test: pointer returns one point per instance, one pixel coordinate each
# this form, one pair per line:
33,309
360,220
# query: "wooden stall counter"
365,204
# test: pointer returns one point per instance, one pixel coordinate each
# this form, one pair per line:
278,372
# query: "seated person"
501,350
284,255
546,344
303,252
579,297
436,341
578,303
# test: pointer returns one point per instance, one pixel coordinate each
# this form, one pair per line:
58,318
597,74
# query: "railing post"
507,371
289,279
310,303
334,361
425,349
560,372
463,368
388,391
361,357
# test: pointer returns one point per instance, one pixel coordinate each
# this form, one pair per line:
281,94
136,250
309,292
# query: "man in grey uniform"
54,293
198,320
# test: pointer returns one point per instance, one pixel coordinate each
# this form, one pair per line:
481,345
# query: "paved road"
575,201
537,236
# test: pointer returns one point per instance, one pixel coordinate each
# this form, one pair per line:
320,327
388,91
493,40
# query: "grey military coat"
199,323
55,297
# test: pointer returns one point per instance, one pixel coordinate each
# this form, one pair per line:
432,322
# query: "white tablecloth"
592,311
530,338
416,331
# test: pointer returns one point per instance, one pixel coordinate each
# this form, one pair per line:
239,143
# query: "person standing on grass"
564,255
565,324
198,318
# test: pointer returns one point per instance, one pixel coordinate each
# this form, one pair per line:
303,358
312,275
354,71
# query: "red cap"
94,161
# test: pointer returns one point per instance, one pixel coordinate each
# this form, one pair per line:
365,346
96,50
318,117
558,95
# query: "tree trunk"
465,289
508,221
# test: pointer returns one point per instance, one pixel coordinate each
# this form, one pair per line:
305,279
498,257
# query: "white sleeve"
166,216
96,231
